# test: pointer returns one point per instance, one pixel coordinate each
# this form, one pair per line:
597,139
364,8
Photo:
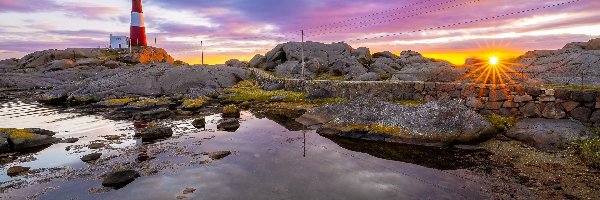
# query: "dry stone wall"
509,100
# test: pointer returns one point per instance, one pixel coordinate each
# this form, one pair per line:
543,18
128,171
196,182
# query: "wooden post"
302,47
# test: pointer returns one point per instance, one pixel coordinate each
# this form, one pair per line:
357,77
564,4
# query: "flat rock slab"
120,179
152,133
549,134
91,157
230,125
433,123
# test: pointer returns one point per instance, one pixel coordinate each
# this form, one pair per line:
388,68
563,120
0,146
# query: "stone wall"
508,100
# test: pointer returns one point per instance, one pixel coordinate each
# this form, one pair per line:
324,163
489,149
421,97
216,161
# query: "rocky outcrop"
566,66
150,81
340,59
549,133
434,123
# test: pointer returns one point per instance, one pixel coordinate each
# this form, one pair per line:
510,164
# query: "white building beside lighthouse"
118,42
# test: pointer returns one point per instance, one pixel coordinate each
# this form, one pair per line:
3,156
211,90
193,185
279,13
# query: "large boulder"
158,80
549,133
236,63
434,123
566,66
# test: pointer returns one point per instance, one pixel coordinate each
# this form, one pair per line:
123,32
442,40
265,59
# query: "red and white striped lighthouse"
138,29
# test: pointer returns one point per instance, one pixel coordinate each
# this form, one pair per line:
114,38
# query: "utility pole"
302,47
202,50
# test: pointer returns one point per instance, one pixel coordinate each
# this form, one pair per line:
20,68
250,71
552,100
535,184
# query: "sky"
242,28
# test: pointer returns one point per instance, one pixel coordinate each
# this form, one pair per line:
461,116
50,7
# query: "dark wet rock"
199,122
549,133
319,93
96,145
120,179
431,157
69,140
230,125
434,123
16,170
161,113
40,131
4,145
112,137
91,157
155,132
219,155
188,190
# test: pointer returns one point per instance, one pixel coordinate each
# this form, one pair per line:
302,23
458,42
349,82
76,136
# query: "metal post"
304,143
202,49
302,47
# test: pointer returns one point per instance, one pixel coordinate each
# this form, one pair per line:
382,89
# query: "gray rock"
549,133
563,66
371,76
434,123
363,55
385,54
91,157
554,111
236,63
120,179
595,118
256,61
270,86
581,113
278,98
161,113
69,140
319,93
530,110
154,132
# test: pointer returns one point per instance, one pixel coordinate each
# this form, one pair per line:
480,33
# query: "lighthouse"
138,29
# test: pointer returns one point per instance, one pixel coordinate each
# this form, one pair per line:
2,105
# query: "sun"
494,60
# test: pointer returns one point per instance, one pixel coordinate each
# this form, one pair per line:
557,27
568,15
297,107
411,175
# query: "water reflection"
273,158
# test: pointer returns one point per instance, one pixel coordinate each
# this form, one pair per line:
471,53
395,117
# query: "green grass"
17,133
577,87
248,91
409,102
589,151
327,76
195,103
501,123
385,76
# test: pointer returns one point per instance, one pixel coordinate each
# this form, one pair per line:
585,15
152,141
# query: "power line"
387,16
399,18
366,16
467,22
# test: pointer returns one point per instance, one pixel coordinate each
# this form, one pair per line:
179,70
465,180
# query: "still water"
272,158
